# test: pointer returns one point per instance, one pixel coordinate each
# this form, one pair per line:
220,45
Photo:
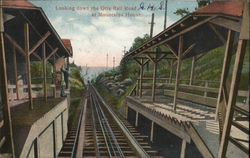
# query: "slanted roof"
21,12
228,8
19,3
206,28
68,45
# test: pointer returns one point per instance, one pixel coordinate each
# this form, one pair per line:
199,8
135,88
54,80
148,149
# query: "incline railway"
102,133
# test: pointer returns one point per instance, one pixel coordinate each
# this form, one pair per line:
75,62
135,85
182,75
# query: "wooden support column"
4,89
221,101
44,71
152,131
141,76
180,50
54,76
136,118
138,86
26,49
154,81
235,81
183,148
192,71
171,71
16,73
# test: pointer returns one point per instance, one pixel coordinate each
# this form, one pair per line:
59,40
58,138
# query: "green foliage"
138,41
182,12
76,80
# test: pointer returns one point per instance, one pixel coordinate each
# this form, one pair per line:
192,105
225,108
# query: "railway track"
105,134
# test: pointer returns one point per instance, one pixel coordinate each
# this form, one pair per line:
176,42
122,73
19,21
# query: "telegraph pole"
166,12
107,61
113,63
124,50
152,25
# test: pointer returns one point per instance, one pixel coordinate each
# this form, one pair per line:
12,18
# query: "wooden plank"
198,141
245,22
183,148
178,69
15,44
175,53
223,40
28,71
171,71
188,50
44,71
232,97
227,23
166,124
2,142
154,81
192,71
41,41
239,145
241,127
141,76
136,118
52,53
16,73
225,69
4,88
152,131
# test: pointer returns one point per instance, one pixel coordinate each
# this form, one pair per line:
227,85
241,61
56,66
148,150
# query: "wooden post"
183,148
180,50
16,73
138,87
171,72
44,71
136,118
26,49
54,76
154,81
192,71
206,85
4,88
225,70
152,131
141,76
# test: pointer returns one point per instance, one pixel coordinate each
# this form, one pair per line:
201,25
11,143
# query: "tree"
182,12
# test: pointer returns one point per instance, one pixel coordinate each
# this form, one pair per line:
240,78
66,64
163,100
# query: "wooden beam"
136,118
141,76
223,40
188,50
154,81
16,73
172,50
183,148
15,44
54,76
232,97
26,49
178,69
227,23
44,71
4,88
225,70
152,131
171,71
41,41
52,53
192,71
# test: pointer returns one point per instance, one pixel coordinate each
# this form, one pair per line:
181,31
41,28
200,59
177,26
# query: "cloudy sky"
93,37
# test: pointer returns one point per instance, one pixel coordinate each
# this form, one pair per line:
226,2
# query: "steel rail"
109,130
138,148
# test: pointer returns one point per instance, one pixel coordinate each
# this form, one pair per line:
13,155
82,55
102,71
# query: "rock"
120,91
127,82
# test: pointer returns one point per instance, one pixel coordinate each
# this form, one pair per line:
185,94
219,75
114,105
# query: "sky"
100,27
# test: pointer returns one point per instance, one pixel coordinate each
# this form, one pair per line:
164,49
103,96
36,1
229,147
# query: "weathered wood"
141,76
54,76
188,50
154,81
171,71
26,43
152,131
44,71
16,73
172,50
178,69
232,98
198,141
217,33
225,70
41,41
192,71
15,44
4,88
183,148
227,23
136,118
245,32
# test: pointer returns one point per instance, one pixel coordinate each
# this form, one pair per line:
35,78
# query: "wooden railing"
23,94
